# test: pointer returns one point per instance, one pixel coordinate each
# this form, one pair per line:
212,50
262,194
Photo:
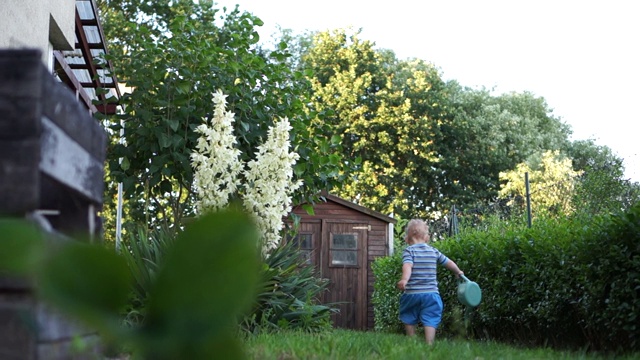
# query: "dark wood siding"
349,283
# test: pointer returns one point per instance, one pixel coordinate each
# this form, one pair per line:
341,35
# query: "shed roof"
359,208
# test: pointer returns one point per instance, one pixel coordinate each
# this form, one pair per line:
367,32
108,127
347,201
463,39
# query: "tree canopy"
174,55
487,134
551,180
368,108
425,144
602,186
386,133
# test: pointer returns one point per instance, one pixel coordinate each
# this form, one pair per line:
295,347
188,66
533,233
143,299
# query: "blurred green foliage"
205,280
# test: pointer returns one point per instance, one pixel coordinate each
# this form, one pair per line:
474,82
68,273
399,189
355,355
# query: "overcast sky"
581,56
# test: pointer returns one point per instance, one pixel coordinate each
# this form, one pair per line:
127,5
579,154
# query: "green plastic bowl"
469,292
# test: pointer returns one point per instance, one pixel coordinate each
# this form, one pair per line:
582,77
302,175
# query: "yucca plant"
289,295
143,252
289,290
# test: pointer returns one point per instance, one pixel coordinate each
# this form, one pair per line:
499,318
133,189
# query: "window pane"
341,257
303,241
344,241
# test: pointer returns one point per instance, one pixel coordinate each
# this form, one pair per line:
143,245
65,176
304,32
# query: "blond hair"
417,229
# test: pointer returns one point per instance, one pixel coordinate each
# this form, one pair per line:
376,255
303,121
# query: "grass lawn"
345,344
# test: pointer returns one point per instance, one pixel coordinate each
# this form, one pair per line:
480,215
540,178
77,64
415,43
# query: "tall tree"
486,135
602,186
174,54
381,129
424,144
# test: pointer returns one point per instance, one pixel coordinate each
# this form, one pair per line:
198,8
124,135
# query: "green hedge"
387,271
386,297
561,283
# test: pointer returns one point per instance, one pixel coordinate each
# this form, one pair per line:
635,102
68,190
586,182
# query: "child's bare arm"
453,267
406,274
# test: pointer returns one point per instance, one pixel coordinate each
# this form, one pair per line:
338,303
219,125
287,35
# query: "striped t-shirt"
423,274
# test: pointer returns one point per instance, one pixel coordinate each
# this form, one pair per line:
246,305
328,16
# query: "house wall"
43,24
377,238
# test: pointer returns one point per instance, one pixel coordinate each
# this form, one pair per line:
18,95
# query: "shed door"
344,263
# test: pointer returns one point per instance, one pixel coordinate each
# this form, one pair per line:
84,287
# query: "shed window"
344,249
304,242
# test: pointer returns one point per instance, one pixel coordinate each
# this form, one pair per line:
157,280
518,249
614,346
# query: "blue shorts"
423,307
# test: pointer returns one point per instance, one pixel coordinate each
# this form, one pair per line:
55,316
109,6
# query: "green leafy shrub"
387,271
386,297
609,301
562,283
526,275
399,231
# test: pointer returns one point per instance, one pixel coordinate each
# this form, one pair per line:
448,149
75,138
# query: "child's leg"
431,315
410,329
429,334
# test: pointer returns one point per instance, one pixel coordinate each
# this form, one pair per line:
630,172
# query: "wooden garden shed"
342,239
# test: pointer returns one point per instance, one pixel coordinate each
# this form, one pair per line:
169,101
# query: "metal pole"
119,218
526,184
124,90
391,236
119,206
455,221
